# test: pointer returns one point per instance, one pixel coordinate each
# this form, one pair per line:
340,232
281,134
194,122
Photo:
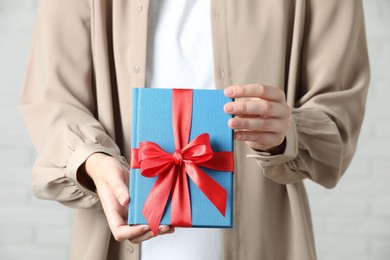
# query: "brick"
340,207
371,11
342,245
381,167
380,51
19,176
314,189
378,105
377,97
382,90
15,235
376,256
357,168
378,226
367,130
51,206
376,30
348,225
362,188
20,251
19,195
380,246
31,216
371,148
18,140
385,10
44,236
16,6
380,67
382,129
11,158
374,49
319,226
335,255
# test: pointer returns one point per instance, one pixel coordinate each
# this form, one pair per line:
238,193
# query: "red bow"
172,169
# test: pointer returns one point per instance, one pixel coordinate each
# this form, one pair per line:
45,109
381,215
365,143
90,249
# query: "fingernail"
123,200
228,92
146,228
233,123
228,108
164,229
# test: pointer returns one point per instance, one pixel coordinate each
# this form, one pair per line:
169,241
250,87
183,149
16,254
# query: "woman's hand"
111,181
262,116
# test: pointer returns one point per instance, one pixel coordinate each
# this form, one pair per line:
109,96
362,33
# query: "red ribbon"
172,169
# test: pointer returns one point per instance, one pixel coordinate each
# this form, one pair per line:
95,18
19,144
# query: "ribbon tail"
157,200
181,204
212,189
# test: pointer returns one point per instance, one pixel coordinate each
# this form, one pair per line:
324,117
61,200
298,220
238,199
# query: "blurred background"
351,221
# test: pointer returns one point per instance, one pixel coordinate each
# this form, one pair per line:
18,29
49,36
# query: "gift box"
181,159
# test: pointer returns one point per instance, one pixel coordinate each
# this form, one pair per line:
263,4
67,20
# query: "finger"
116,215
170,231
126,232
115,212
148,235
258,107
255,90
118,183
259,124
259,140
142,237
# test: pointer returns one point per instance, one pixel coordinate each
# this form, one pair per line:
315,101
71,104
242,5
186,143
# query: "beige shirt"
87,54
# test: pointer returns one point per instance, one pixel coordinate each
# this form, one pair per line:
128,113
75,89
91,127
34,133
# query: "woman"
87,54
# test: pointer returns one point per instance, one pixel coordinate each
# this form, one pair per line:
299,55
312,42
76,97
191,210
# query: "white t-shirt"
179,55
179,51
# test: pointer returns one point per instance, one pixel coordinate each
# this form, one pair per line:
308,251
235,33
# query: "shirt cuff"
290,153
81,154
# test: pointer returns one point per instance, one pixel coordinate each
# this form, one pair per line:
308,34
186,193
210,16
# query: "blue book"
152,122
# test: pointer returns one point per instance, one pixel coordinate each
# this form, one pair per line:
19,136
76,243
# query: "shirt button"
140,8
222,74
129,249
218,14
136,69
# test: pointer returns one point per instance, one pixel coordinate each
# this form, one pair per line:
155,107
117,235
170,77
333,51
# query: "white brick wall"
29,228
351,221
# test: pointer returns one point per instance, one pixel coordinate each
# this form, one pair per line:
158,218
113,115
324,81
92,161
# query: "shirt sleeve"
58,105
330,100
